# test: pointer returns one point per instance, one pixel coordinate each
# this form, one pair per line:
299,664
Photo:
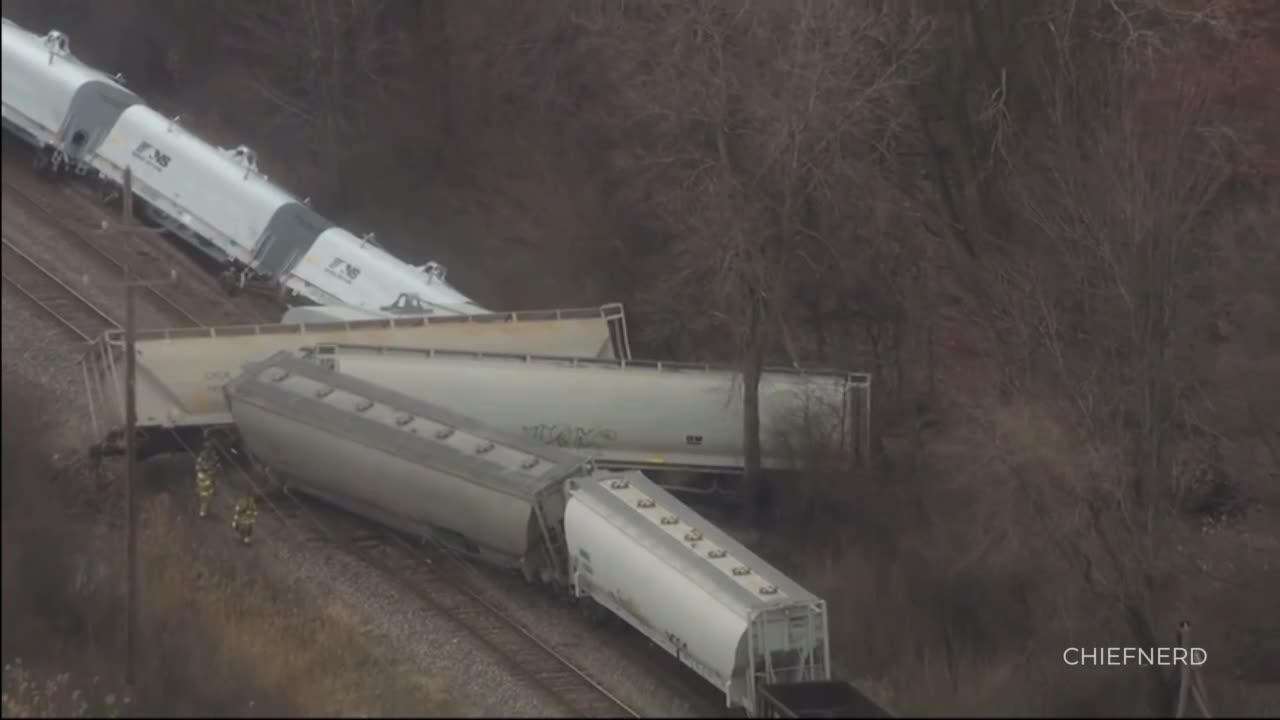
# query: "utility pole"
130,433
131,462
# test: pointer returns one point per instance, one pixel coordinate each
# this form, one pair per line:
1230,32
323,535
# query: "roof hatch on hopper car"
408,303
58,44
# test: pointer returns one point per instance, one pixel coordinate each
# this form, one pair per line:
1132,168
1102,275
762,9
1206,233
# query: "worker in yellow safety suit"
246,514
206,468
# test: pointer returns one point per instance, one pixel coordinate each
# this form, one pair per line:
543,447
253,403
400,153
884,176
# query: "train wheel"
40,163
229,282
107,194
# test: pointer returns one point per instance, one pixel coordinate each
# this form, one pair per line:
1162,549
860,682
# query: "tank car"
181,372
56,103
690,588
626,413
406,463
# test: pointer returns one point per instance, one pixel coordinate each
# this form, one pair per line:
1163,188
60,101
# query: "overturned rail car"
406,463
612,537
693,590
180,373
629,414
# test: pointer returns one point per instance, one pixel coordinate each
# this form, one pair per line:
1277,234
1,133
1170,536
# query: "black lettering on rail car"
152,155
343,270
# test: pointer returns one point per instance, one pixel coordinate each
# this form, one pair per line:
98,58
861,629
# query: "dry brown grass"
260,630
954,589
220,632
26,695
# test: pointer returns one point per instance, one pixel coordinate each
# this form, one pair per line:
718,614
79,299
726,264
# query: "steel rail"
168,303
55,297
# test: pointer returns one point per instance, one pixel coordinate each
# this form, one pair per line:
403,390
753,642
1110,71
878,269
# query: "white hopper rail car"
180,372
625,413
54,102
407,464
613,537
214,199
256,227
690,588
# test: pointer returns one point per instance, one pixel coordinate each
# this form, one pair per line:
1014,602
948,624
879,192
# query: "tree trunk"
437,50
752,365
334,107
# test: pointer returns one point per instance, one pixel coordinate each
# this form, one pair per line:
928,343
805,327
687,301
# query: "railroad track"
55,297
165,303
438,585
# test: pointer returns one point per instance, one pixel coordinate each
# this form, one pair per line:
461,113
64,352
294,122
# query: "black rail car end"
818,699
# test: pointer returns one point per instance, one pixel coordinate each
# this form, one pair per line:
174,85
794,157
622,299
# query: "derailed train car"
690,588
611,536
407,464
180,373
625,413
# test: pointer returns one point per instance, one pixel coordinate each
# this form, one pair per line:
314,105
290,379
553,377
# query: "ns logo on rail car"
343,270
152,155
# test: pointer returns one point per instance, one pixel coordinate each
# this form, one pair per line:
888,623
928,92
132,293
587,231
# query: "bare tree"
1119,192
324,66
758,137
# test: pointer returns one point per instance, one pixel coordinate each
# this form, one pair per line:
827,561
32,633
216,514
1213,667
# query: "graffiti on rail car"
215,379
571,436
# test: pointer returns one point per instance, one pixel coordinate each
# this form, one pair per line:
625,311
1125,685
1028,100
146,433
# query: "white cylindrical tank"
617,570
43,84
362,274
693,590
181,372
398,461
629,414
173,170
